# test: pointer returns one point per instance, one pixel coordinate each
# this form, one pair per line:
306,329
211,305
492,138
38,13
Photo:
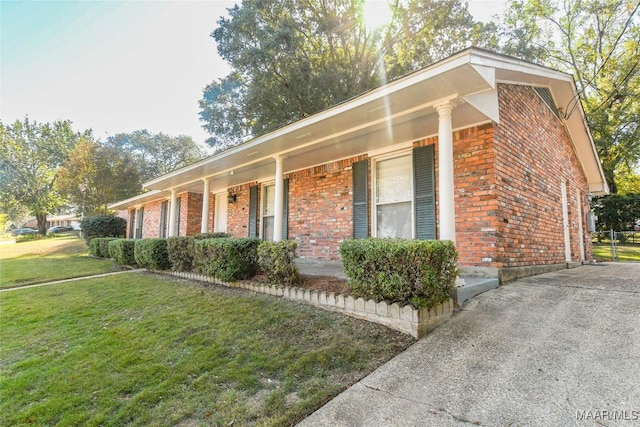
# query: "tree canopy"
598,41
97,174
156,154
293,58
30,154
44,167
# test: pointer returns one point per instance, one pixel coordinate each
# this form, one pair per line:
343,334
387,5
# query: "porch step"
474,286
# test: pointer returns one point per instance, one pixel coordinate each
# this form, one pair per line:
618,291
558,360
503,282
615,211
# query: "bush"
416,272
123,251
99,246
152,254
103,226
181,251
228,259
216,235
276,260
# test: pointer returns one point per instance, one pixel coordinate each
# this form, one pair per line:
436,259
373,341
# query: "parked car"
59,229
22,231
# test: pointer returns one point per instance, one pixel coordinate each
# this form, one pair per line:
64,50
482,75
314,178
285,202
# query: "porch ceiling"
401,111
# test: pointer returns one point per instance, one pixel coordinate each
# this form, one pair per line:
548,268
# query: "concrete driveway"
559,349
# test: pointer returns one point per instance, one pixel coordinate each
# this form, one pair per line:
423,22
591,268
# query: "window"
268,207
164,208
394,197
139,223
132,223
220,215
177,223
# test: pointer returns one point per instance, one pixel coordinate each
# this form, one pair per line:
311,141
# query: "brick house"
483,149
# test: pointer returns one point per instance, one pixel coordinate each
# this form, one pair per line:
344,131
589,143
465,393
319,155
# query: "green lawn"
38,261
626,252
140,349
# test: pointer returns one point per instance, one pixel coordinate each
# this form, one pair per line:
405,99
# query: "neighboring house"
483,149
70,220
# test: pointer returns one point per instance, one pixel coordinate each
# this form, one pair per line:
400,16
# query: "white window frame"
374,190
263,194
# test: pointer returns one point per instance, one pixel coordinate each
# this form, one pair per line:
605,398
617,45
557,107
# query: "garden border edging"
408,320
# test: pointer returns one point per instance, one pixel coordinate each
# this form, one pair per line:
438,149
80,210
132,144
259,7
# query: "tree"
156,154
30,154
293,58
598,41
617,212
95,175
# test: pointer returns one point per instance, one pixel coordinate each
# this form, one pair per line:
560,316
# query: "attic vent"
545,94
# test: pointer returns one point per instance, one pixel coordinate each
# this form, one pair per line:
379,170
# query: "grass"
626,252
140,349
37,261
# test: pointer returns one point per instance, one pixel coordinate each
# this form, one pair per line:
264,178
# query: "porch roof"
400,111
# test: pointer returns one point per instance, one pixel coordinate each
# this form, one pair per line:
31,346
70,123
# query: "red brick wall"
190,213
532,156
475,195
151,219
320,208
507,193
238,212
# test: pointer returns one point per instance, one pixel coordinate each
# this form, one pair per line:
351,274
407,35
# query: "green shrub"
123,251
228,259
276,260
103,226
99,246
181,250
152,254
416,272
216,235
30,237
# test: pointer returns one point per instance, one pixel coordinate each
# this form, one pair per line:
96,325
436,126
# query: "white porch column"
173,202
447,209
205,207
279,200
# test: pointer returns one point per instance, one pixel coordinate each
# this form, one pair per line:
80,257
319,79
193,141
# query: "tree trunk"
42,223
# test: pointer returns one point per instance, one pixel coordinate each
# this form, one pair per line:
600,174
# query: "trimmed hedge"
216,235
227,259
181,250
99,246
276,260
123,251
103,226
416,272
152,254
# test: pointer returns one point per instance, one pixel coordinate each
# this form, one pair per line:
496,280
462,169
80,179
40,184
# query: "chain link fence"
615,239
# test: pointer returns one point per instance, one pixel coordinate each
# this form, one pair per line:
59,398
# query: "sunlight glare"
376,14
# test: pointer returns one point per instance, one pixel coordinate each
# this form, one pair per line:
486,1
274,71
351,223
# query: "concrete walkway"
559,349
75,279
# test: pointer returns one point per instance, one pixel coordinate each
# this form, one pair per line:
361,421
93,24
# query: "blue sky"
115,66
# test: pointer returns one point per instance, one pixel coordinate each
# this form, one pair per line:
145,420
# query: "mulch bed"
315,283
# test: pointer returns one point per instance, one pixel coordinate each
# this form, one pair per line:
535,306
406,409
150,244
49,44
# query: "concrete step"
473,286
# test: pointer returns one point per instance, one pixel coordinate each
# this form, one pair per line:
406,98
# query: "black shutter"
360,199
253,211
285,209
425,194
